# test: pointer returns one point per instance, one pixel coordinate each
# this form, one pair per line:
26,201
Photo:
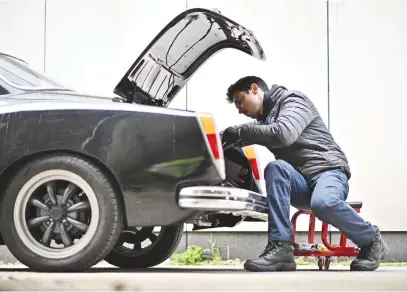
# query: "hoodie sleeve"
294,116
251,123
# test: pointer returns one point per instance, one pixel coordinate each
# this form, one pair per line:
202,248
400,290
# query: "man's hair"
244,84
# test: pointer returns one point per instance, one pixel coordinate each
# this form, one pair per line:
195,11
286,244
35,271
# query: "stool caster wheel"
323,263
327,263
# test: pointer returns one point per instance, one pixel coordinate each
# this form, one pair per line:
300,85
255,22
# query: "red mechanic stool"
323,251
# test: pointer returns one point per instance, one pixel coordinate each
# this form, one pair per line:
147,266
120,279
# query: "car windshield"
18,74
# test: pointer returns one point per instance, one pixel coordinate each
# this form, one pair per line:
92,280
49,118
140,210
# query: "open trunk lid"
176,53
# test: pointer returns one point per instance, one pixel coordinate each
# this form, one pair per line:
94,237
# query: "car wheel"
60,213
144,248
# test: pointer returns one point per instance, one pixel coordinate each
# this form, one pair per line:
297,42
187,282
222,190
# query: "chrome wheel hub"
54,208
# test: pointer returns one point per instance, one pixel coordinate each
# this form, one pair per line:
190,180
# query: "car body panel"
178,51
150,151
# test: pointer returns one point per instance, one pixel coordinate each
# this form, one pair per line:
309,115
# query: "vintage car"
84,176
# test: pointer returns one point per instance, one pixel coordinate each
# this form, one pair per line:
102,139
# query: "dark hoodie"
292,129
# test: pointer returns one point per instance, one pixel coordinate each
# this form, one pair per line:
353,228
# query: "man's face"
249,103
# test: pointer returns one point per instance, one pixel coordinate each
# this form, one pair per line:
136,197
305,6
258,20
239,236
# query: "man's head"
247,95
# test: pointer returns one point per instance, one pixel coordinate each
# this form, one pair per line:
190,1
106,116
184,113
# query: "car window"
20,75
3,91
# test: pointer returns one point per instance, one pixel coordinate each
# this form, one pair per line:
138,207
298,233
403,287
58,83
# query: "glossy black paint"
178,51
150,151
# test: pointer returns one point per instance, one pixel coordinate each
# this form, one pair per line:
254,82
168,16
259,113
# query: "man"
310,172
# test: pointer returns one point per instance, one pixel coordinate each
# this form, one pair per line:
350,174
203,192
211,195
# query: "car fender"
139,147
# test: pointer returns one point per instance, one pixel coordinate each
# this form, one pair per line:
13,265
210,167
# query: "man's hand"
230,135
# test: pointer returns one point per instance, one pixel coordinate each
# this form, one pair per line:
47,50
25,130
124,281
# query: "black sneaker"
370,256
277,256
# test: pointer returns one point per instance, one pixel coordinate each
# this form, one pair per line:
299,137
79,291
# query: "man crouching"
310,172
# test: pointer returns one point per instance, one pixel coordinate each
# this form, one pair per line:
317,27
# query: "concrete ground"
165,278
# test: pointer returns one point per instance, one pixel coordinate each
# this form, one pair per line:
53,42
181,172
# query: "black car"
82,176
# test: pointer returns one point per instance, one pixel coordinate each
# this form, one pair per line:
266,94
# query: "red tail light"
250,153
214,143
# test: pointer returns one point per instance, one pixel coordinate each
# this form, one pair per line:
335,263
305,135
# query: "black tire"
104,219
165,245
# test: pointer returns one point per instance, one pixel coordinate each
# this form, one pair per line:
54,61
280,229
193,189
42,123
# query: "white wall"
368,103
22,30
89,45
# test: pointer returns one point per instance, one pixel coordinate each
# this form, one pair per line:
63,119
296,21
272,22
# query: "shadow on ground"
173,270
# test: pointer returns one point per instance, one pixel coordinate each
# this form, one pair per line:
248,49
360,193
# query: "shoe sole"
280,267
367,268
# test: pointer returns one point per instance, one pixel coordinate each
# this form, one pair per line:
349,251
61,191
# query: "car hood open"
176,53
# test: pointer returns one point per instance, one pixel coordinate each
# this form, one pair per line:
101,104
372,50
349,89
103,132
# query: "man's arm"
295,115
231,132
251,123
244,142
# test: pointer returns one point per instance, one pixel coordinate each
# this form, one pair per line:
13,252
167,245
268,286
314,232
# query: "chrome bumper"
224,200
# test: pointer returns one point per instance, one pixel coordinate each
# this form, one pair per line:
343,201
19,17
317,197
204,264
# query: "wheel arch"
17,164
